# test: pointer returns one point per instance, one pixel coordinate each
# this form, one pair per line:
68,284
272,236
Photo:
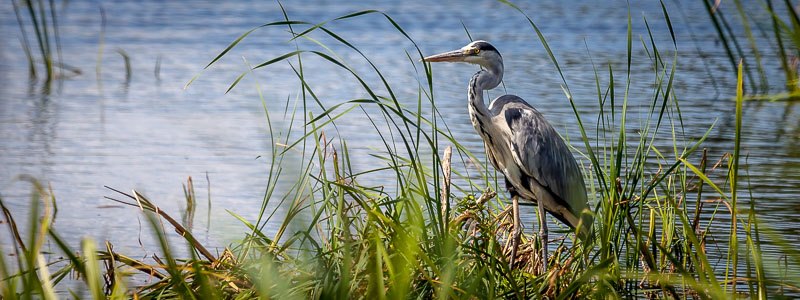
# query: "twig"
144,203
487,195
12,225
448,152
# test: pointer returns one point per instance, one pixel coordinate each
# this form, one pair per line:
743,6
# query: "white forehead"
474,44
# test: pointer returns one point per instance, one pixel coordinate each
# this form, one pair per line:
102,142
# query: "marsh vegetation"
671,220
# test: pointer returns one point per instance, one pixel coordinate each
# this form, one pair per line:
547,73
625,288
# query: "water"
150,134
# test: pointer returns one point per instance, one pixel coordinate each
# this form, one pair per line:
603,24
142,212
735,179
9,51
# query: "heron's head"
478,52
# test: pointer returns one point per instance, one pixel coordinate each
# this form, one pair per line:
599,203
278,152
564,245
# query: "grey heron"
521,144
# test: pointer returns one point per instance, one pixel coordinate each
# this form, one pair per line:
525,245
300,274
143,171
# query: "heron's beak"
452,56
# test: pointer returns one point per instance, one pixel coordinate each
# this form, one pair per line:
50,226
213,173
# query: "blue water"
150,134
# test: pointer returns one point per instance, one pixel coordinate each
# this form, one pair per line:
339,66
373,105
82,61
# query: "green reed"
783,40
41,16
438,230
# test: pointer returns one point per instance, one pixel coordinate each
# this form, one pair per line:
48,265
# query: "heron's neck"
485,79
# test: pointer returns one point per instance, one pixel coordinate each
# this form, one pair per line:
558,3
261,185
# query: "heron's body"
521,144
526,160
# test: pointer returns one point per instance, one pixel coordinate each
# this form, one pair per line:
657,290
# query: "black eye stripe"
484,46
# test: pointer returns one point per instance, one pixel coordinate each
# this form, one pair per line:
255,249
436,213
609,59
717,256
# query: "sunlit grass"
438,232
775,21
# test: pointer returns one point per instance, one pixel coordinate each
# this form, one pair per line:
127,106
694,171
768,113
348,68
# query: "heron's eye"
476,51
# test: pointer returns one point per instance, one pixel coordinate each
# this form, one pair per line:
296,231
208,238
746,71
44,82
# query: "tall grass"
41,19
436,231
783,36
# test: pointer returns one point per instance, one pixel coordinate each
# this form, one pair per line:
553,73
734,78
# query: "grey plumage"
545,162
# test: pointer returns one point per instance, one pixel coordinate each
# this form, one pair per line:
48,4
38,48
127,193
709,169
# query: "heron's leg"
516,231
543,236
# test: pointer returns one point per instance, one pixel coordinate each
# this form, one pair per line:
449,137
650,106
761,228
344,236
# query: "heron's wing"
542,155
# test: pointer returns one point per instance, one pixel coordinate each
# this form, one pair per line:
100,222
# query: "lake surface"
149,134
